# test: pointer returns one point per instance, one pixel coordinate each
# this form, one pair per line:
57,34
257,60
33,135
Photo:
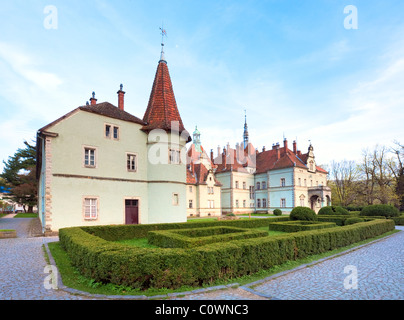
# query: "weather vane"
163,33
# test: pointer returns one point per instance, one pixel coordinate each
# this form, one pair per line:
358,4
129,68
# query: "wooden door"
131,212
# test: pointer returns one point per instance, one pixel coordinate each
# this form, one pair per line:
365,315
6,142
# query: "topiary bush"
380,210
333,210
303,213
277,212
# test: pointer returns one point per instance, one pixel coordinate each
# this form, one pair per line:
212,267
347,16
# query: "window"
116,133
258,186
251,192
107,131
258,203
244,203
175,199
264,185
111,132
283,182
174,156
210,190
264,203
190,204
131,162
90,208
236,203
236,183
190,189
283,203
299,182
89,157
211,204
311,183
244,185
305,183
311,165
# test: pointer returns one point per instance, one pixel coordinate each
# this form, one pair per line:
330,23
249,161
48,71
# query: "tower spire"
245,135
163,33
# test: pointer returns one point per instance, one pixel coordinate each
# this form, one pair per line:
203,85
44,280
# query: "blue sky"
291,64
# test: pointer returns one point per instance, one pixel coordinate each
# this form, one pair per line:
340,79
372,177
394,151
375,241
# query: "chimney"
278,152
285,145
294,147
224,157
121,94
263,149
211,155
93,100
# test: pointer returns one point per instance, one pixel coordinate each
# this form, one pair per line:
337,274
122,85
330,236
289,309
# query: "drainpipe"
42,184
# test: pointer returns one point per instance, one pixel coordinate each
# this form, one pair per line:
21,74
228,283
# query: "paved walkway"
379,268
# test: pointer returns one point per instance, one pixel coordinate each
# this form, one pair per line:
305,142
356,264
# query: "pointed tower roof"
162,108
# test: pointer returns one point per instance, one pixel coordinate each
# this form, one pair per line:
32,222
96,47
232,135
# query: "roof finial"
163,33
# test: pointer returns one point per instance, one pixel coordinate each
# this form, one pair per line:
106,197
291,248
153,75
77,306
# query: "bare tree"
377,179
397,170
344,175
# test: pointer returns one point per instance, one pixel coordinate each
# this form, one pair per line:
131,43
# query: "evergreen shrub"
303,213
277,212
333,210
380,210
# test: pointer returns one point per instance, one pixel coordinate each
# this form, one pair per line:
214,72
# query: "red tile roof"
104,109
162,108
262,161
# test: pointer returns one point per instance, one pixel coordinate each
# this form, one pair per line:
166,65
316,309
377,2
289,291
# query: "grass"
26,215
6,230
73,279
143,243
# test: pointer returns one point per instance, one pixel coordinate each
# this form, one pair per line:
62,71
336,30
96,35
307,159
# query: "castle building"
279,178
203,189
99,164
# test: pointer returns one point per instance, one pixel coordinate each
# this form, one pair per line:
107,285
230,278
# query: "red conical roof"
162,108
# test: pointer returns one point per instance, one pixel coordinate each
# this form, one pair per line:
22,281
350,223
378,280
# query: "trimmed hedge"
399,221
341,220
295,226
333,210
188,238
303,213
106,261
126,232
353,220
380,210
277,212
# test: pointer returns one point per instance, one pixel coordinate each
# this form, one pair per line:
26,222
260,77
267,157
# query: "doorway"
131,211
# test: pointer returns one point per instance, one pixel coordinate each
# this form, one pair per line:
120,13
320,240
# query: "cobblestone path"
379,266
